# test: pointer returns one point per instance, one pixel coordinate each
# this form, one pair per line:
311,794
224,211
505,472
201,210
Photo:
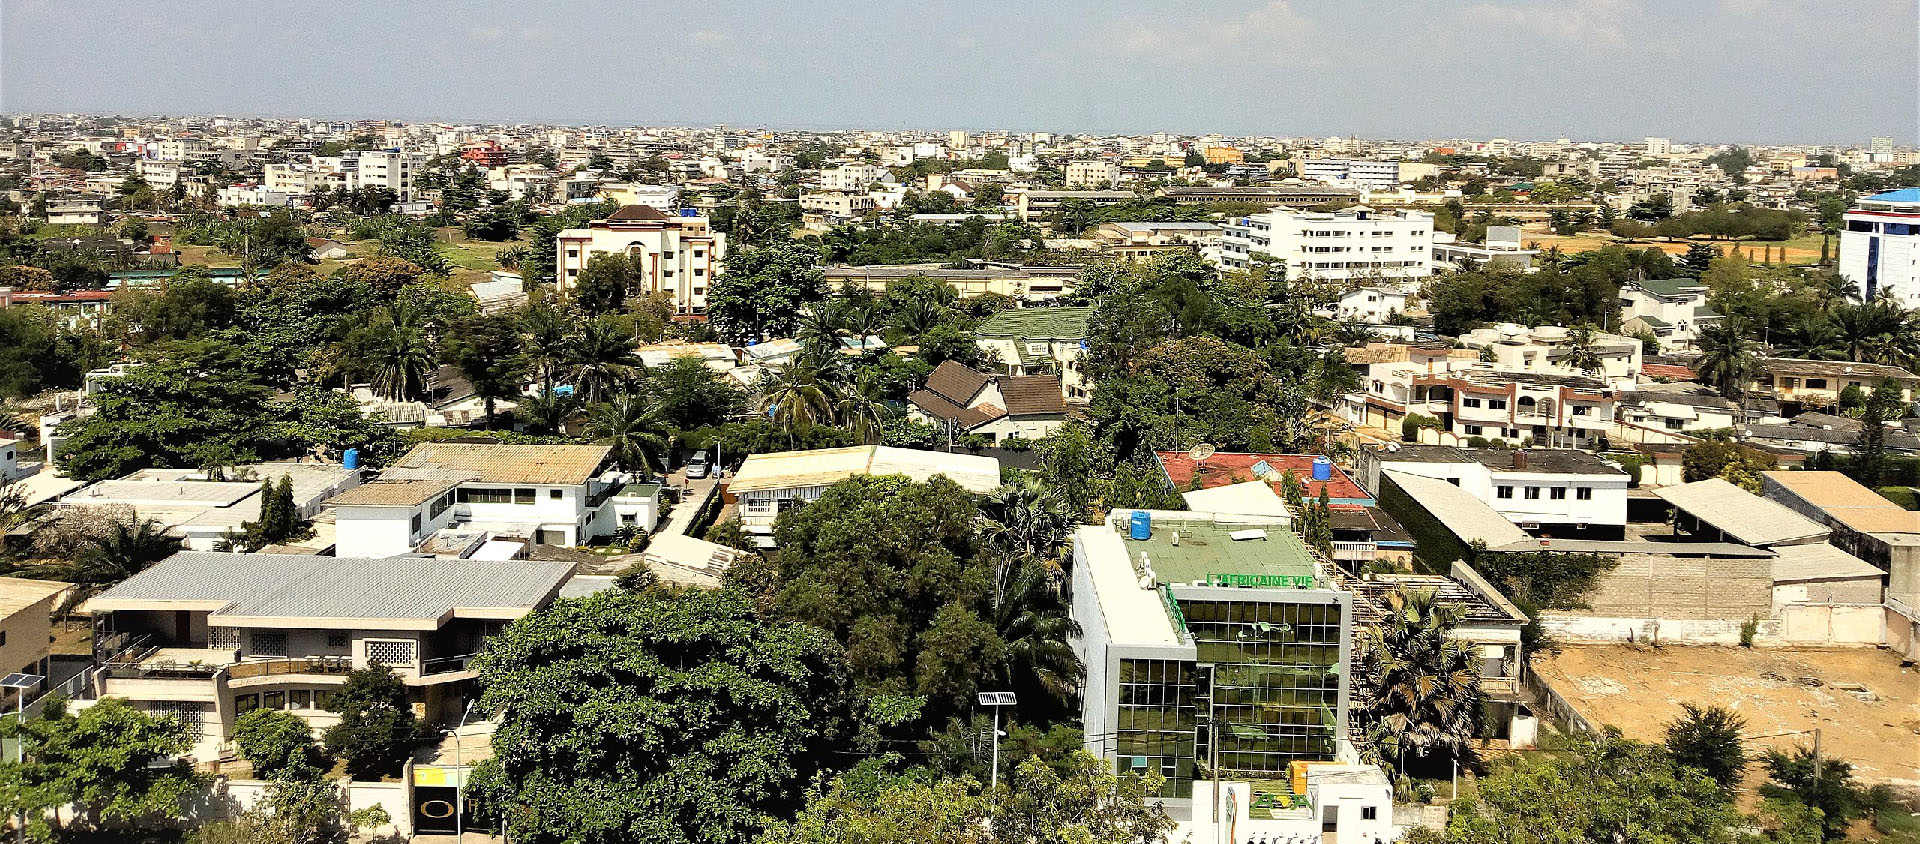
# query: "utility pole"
996,700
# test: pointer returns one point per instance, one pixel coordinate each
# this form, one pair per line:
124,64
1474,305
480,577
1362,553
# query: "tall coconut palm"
1861,327
1420,687
863,407
863,321
547,413
547,342
401,355
1582,353
819,329
798,396
603,359
636,430
1036,631
1813,337
1729,356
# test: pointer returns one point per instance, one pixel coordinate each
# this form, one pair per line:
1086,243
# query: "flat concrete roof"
1133,614
1207,548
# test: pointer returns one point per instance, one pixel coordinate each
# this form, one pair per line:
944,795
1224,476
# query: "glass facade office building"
1264,689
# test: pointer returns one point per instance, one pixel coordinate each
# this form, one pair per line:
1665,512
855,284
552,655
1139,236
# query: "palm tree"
547,413
402,355
1813,338
603,359
127,548
1420,686
1582,353
819,329
546,342
798,396
1729,356
1036,631
862,322
635,429
863,407
1027,520
1859,326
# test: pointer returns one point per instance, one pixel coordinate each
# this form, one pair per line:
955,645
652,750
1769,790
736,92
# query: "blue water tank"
1322,469
1141,525
351,459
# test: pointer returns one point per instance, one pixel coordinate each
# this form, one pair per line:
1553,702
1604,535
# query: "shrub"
276,741
377,729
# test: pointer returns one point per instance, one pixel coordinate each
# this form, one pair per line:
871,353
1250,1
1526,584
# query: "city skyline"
1573,69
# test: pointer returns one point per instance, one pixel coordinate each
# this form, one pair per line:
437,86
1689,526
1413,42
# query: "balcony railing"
159,671
323,665
446,665
1363,552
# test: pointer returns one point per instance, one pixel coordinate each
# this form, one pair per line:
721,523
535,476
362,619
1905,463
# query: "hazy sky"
1704,70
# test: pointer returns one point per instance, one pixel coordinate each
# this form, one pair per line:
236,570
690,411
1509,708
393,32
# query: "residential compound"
767,485
538,494
1353,172
997,407
672,254
1351,244
1465,397
208,637
1041,341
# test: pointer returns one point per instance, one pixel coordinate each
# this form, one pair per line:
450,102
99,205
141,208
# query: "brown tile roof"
1032,395
503,464
636,212
957,382
938,407
395,492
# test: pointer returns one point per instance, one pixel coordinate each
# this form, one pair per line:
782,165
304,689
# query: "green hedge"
1435,547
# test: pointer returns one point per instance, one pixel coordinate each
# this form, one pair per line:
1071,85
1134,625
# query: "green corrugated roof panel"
1038,324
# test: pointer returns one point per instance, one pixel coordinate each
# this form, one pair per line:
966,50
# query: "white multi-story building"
1354,243
1092,174
1659,146
677,255
242,196
854,178
1880,246
1673,310
386,169
1372,175
1564,492
160,174
1470,398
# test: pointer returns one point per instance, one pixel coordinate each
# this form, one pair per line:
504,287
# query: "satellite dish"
1201,451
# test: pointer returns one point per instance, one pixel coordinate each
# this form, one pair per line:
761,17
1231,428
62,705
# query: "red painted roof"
1227,468
1657,370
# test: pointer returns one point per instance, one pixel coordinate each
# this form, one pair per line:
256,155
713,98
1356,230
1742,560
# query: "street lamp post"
460,771
996,700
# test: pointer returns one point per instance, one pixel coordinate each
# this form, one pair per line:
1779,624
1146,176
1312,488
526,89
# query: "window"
1469,402
243,704
1503,492
390,652
523,495
1674,424
1533,493
416,522
336,640
1582,410
486,496
1816,383
1558,493
440,505
555,494
1583,494
300,699
1496,404
267,644
1368,813
1474,430
273,700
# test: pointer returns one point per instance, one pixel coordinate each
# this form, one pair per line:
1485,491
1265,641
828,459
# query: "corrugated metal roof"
395,492
503,463
294,586
1739,513
1820,561
820,467
1467,517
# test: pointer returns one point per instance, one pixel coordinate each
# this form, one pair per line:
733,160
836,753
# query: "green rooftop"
1206,549
1037,324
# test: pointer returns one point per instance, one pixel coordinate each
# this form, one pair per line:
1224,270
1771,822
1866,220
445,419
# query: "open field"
1801,250
1639,689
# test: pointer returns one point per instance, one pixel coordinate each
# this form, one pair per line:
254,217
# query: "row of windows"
1557,493
517,495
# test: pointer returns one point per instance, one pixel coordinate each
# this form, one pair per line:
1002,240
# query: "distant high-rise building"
1880,246
1880,146
1659,146
957,139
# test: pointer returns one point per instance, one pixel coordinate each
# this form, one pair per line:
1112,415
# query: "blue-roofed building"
1880,246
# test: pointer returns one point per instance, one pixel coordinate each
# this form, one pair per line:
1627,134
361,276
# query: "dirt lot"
1639,689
